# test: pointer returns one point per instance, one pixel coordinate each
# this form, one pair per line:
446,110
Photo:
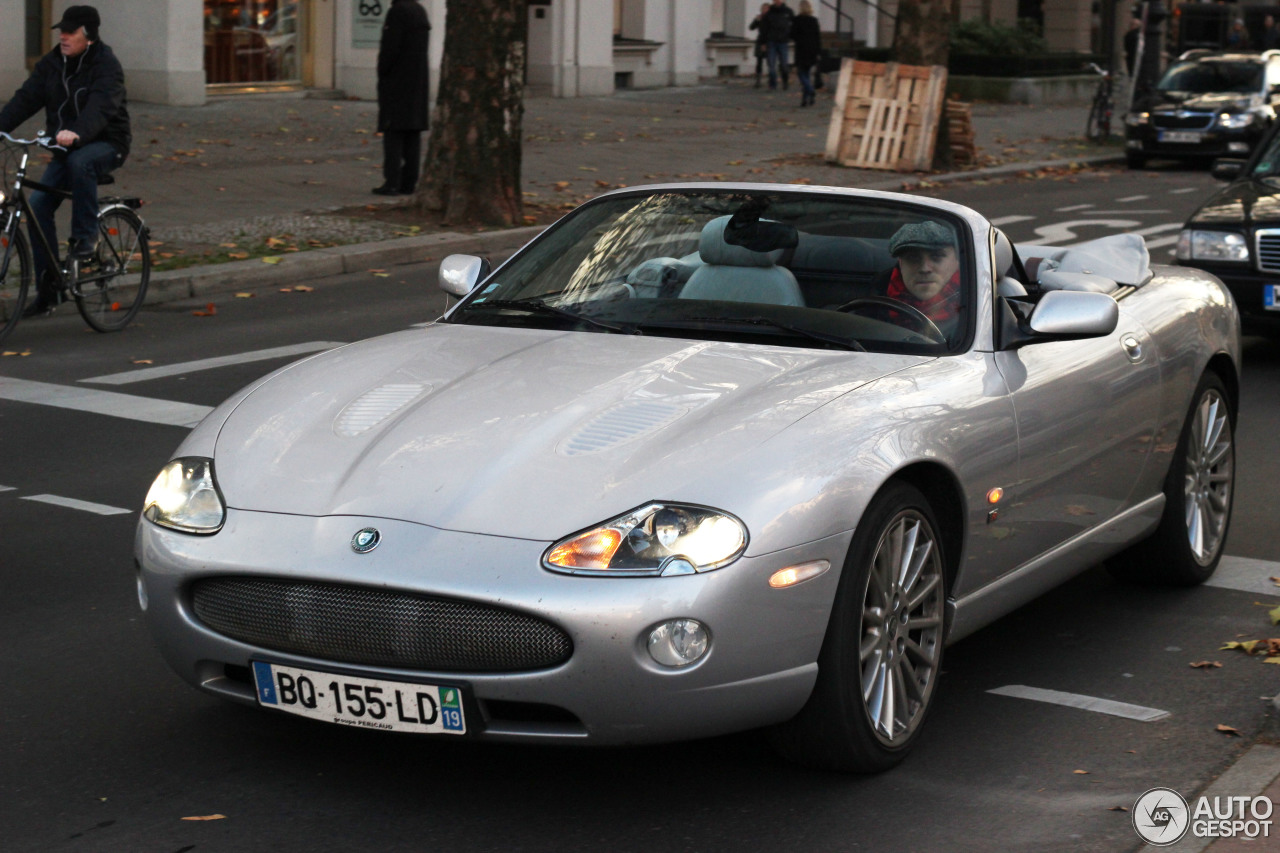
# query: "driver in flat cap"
80,86
927,275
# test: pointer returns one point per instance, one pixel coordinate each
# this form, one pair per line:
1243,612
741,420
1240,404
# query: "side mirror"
1069,314
459,274
1226,168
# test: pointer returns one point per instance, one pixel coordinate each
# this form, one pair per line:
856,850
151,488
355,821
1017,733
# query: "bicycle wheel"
1093,127
17,276
120,272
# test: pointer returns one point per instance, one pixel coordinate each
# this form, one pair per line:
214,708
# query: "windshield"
786,268
1208,77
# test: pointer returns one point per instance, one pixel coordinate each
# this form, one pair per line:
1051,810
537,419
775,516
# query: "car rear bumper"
759,670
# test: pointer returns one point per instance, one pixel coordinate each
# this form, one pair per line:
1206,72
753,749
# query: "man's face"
73,43
926,271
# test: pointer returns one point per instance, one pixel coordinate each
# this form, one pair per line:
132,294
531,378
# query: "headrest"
1004,254
658,271
714,250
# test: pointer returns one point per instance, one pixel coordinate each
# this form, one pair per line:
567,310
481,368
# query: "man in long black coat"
403,95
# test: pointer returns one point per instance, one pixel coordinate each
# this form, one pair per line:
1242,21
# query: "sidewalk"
242,170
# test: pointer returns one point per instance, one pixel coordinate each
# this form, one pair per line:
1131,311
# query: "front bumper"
1248,287
759,670
1150,141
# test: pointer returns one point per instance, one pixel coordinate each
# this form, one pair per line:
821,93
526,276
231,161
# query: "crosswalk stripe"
111,403
159,372
1246,575
84,506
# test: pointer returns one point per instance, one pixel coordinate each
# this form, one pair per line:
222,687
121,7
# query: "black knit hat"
76,17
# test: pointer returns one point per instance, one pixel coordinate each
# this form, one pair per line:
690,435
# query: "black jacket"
403,82
776,23
84,94
808,40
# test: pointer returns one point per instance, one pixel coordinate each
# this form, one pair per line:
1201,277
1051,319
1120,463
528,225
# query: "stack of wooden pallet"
964,149
886,115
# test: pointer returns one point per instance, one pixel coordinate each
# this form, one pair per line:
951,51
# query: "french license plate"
367,703
1191,136
1271,297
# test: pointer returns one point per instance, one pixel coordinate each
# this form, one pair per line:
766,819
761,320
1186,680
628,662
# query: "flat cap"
921,235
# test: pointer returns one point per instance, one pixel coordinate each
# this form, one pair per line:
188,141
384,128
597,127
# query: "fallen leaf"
245,295
302,288
1206,664
1081,772
209,311
272,259
286,290
229,245
19,354
142,361
239,256
1228,730
587,169
382,275
207,817
1275,580
1268,660
1275,616
1118,809
275,242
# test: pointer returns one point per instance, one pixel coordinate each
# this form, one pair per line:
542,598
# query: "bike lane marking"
1141,713
159,372
112,403
83,506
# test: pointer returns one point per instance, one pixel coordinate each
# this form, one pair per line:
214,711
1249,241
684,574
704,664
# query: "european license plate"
367,703
1191,136
1271,297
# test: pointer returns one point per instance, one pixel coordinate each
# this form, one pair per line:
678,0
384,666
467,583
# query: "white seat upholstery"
737,274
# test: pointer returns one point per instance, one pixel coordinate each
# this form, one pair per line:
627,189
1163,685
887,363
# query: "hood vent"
618,425
373,407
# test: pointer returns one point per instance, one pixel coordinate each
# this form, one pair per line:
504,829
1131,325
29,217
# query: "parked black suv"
1206,105
1235,234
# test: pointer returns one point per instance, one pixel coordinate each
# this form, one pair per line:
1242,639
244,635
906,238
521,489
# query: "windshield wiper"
843,343
537,306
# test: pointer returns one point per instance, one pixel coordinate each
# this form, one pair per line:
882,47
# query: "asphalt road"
103,749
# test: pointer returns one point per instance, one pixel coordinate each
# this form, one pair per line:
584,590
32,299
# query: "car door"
1086,412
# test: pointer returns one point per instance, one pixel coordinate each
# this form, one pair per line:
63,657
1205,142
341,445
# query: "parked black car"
1235,234
1205,105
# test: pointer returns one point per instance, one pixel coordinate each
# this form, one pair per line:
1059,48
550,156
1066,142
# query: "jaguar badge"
365,540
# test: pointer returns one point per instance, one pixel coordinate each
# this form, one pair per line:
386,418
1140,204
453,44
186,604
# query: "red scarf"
940,308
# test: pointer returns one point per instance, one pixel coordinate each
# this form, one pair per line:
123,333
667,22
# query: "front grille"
374,627
1183,121
1268,249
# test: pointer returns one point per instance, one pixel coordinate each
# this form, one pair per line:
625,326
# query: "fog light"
679,642
142,593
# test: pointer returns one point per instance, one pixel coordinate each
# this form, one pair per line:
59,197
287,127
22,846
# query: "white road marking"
1063,233
1160,242
1142,232
146,373
1184,190
111,403
85,506
1072,207
1085,703
8,488
1009,220
1246,575
1128,212
1130,198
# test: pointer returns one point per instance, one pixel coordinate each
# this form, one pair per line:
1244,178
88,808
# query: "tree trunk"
923,37
471,173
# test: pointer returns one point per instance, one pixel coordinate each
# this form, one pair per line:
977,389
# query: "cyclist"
80,86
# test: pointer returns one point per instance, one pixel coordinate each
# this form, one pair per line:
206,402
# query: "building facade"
181,52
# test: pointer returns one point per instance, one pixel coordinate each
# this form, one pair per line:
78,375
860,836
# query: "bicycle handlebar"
1096,69
41,140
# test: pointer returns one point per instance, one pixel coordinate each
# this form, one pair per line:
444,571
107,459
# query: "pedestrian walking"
776,24
762,46
80,86
403,95
1270,34
807,37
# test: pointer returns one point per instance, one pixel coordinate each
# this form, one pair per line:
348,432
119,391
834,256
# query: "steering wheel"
927,327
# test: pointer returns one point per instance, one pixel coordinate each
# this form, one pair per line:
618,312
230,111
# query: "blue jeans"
777,63
77,171
806,82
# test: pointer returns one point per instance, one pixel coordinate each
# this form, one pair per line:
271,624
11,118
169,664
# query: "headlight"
657,539
185,497
1196,245
1236,120
1137,119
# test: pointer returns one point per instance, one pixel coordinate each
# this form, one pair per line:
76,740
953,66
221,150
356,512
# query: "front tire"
1185,549
17,281
882,653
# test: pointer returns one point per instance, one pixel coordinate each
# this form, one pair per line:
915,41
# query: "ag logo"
365,540
1161,817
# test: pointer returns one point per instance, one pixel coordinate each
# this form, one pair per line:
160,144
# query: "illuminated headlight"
1211,246
1234,121
1137,119
185,497
657,539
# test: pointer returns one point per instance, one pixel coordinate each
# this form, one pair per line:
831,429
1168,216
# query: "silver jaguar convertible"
699,459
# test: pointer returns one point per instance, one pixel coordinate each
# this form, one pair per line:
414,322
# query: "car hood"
1172,101
526,433
1242,203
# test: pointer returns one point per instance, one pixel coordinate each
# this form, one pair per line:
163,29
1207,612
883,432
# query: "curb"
201,282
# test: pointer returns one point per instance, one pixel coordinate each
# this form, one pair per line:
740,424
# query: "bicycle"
110,290
1098,125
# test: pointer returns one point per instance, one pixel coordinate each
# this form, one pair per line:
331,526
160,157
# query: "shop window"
252,41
